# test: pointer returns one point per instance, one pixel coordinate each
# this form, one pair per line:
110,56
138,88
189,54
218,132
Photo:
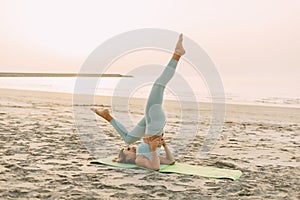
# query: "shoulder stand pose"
150,127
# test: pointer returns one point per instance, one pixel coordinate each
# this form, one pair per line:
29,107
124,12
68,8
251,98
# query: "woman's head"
126,155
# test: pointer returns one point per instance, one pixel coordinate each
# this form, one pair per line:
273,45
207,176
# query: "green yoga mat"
180,168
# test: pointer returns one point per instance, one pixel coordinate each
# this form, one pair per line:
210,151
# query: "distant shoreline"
239,107
13,74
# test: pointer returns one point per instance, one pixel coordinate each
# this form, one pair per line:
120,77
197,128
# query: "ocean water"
110,87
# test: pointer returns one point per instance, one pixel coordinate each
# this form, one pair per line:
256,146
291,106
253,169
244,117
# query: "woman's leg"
153,106
128,136
153,109
155,117
157,91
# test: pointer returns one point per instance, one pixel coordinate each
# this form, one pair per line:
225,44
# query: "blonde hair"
122,158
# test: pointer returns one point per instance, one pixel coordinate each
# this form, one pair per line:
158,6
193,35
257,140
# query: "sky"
251,42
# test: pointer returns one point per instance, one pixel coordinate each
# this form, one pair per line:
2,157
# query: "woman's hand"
163,142
154,144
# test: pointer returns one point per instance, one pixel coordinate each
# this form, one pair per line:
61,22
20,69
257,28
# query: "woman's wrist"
153,149
164,144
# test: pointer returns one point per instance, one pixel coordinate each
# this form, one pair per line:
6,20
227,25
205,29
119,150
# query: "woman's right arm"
169,159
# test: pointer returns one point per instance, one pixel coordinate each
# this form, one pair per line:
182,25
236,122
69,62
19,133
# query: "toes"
180,37
96,111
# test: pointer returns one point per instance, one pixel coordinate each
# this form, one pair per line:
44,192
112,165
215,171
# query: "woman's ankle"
176,57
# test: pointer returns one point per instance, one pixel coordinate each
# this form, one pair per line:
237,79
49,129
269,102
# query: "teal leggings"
154,120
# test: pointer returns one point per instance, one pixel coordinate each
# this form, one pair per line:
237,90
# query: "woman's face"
130,153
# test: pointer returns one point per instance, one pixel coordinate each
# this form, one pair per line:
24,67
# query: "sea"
108,87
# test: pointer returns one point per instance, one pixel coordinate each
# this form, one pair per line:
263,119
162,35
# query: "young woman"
150,127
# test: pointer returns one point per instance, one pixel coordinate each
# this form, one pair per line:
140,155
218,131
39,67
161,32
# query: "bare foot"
103,113
179,50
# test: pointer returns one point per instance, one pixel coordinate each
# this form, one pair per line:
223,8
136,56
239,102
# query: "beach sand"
43,156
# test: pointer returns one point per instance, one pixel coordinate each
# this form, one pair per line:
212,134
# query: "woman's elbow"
172,162
156,168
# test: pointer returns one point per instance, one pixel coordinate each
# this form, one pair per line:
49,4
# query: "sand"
43,156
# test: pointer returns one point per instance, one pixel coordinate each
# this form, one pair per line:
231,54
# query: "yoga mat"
180,168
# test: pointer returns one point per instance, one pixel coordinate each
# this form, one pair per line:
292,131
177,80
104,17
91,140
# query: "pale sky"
250,41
